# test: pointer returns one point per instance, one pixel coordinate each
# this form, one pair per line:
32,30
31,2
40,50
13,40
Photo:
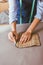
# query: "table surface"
10,55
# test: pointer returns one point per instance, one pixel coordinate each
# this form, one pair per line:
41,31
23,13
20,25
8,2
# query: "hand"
25,37
13,36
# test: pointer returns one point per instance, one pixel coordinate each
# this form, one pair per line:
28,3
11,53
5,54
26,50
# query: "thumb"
13,37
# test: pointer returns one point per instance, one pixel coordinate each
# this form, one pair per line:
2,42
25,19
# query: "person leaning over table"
14,17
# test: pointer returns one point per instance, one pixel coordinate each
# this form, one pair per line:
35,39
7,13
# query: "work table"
10,55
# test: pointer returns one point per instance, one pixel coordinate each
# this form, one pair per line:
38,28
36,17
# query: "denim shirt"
14,10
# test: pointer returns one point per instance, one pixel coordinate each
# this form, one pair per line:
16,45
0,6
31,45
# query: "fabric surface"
3,0
34,41
10,55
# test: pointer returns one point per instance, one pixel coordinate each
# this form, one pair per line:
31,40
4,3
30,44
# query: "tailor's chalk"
14,42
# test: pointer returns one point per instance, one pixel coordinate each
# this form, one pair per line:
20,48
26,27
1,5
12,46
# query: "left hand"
25,37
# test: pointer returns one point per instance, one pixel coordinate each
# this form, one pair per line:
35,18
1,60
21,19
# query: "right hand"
25,37
13,36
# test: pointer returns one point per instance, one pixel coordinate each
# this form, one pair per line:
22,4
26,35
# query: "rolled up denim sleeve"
12,11
39,10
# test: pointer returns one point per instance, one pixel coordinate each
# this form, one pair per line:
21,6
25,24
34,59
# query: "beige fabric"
3,0
34,41
4,6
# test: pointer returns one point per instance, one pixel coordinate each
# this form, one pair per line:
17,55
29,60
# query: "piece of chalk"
14,42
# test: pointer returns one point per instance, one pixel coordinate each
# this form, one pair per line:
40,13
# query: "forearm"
38,16
33,25
13,26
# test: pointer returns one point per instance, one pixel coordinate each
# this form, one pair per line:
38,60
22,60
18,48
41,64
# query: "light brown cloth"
3,0
34,41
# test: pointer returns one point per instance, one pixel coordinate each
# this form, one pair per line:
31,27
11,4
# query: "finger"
17,37
21,40
28,38
13,39
12,36
25,40
10,39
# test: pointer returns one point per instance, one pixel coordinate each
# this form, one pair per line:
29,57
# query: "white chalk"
14,42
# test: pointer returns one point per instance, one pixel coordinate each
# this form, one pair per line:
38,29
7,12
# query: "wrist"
29,31
33,25
13,31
